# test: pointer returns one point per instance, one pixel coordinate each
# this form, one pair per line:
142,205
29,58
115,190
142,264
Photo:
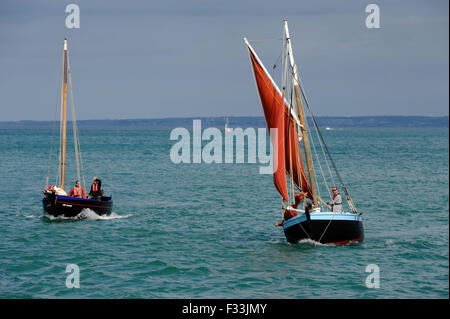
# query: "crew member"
77,191
336,201
96,188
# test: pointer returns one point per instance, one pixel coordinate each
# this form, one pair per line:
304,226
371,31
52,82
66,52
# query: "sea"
207,230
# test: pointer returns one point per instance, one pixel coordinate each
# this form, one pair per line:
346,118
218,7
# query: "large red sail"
273,106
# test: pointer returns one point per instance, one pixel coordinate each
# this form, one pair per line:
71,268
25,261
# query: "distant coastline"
251,121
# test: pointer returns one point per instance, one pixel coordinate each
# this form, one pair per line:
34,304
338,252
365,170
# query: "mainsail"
273,108
280,115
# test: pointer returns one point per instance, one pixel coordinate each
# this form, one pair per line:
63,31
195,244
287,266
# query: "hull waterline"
67,206
326,228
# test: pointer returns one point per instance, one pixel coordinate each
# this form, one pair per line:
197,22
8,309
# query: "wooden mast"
302,119
64,112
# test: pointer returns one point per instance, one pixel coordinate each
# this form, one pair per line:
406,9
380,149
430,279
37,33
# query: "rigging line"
265,40
53,131
320,165
297,140
74,126
314,149
318,159
277,60
292,132
58,176
78,156
284,84
328,166
305,231
325,157
297,152
349,199
326,228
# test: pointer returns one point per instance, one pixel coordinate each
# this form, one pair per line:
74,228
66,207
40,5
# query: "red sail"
293,155
273,106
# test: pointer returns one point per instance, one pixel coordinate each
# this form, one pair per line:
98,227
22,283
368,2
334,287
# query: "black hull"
340,229
67,206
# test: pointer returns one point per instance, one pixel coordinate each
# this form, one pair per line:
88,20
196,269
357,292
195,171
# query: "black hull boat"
325,227
68,206
56,201
295,143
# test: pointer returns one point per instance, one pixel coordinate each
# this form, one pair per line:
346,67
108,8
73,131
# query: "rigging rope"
76,140
53,132
349,199
265,40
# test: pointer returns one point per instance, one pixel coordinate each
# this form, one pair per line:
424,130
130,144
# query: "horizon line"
242,116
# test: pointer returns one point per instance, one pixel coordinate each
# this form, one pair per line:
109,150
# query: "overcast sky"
186,58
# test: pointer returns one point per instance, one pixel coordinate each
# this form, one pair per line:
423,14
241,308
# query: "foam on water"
88,214
310,242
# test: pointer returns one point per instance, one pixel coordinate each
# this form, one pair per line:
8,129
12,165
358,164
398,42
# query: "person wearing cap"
336,201
288,214
96,188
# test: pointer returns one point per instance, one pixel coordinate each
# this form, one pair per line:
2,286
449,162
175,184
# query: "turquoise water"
207,230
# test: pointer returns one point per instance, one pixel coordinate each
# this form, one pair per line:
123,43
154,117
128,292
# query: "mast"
64,112
302,119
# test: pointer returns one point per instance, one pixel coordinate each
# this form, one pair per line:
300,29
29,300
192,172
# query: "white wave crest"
91,215
88,214
311,242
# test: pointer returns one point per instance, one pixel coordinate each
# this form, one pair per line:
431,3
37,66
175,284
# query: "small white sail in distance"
227,129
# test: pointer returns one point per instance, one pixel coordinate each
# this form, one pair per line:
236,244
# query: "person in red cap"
288,214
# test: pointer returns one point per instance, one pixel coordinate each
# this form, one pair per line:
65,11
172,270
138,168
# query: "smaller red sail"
294,162
273,106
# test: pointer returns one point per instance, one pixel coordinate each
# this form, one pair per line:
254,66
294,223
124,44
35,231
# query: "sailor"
288,214
77,191
95,188
336,201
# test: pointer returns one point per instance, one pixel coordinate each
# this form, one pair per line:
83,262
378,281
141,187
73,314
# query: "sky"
186,58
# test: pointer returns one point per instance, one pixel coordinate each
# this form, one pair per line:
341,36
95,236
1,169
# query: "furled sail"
273,107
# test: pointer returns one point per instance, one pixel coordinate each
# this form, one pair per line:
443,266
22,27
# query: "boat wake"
310,242
87,214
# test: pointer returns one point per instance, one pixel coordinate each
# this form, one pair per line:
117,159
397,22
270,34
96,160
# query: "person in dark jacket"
96,188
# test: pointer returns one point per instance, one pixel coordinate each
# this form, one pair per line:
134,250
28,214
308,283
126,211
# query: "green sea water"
207,230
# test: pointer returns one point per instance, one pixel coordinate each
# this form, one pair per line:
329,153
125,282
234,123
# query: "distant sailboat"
227,129
283,110
55,201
